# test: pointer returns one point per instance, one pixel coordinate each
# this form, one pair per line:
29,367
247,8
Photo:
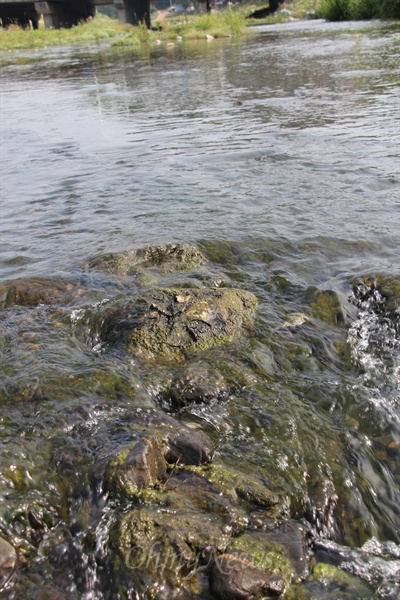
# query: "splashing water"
376,562
374,339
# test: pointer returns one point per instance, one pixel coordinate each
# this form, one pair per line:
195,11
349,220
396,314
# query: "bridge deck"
65,13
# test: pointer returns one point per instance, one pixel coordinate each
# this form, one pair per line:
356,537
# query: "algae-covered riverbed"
199,338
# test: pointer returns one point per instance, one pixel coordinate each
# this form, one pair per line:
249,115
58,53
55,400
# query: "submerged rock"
239,487
196,383
32,292
213,375
8,560
376,563
175,323
330,577
260,564
161,552
326,305
168,258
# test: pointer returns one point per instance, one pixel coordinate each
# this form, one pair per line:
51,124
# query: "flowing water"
277,156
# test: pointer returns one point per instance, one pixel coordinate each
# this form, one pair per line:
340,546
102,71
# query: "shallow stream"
277,157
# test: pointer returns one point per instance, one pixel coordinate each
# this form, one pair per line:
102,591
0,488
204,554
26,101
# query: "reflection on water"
278,157
293,125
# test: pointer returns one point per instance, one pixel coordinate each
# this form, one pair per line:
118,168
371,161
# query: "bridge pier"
66,13
22,14
60,14
133,11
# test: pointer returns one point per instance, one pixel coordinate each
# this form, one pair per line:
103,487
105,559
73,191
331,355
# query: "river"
277,157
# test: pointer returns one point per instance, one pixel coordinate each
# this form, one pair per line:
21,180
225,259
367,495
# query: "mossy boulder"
260,564
161,552
326,305
237,486
165,258
177,323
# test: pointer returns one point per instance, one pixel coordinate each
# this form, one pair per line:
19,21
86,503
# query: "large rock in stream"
177,323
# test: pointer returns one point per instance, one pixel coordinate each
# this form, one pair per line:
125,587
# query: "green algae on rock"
168,258
258,563
160,551
233,575
177,323
328,579
326,305
141,465
237,485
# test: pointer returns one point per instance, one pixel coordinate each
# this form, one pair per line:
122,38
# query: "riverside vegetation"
104,29
345,10
228,23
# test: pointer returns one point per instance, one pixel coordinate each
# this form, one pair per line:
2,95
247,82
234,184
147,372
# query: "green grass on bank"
345,10
227,23
99,29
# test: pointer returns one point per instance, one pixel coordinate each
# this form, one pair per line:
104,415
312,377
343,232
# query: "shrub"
344,10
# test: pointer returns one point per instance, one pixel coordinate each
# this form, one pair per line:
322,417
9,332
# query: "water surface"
278,156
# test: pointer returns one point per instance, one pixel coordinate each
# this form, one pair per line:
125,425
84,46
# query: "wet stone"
175,323
136,467
289,540
32,292
326,578
8,560
197,384
234,576
189,448
162,552
168,258
326,305
185,444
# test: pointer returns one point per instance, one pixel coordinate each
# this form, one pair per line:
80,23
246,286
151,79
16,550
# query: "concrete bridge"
65,13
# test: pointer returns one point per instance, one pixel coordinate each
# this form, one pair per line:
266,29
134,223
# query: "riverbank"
232,22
